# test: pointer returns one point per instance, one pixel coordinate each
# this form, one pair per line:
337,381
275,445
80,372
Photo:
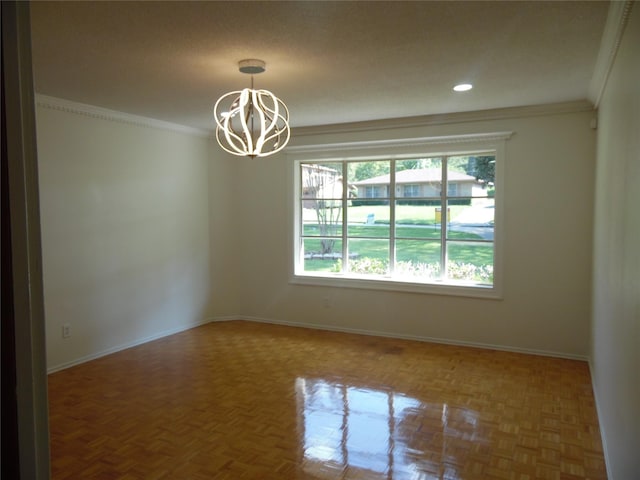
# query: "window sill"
453,289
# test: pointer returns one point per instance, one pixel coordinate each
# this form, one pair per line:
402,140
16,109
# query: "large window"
425,223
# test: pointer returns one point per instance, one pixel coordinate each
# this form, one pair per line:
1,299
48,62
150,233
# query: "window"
412,190
385,221
374,191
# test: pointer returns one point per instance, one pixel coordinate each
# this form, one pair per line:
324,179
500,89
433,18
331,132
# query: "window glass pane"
365,213
369,182
368,257
368,216
320,181
325,219
321,202
471,176
470,261
373,230
472,221
418,258
322,254
418,218
459,182
419,178
367,220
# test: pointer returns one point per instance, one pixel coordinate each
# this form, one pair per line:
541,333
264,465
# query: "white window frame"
494,143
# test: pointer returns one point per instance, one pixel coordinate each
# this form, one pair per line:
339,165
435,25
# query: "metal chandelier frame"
250,122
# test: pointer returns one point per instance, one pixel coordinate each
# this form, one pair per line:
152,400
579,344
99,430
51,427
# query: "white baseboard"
598,412
228,318
316,326
140,341
376,333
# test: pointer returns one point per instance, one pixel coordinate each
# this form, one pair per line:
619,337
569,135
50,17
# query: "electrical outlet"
326,302
66,330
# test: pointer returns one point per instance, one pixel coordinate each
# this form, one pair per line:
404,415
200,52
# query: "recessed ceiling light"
463,87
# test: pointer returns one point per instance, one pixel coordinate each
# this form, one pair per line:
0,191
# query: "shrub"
365,265
418,269
468,271
456,270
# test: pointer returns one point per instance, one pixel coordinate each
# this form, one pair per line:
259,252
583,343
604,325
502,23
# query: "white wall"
548,227
125,232
147,231
615,352
224,217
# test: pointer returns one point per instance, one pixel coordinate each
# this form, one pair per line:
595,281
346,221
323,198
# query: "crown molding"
54,103
615,25
447,118
348,147
92,111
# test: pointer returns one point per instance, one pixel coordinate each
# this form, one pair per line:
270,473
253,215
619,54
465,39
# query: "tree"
363,170
418,164
483,168
323,186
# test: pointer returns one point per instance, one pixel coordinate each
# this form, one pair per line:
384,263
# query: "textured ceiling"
331,62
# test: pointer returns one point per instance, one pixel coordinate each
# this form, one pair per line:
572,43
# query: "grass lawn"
382,231
417,239
417,251
405,214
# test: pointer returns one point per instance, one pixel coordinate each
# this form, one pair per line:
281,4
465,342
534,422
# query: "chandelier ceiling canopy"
251,123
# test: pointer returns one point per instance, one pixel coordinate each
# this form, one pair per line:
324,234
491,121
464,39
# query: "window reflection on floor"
380,434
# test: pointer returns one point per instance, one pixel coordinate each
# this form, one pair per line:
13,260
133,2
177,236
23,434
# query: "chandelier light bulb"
253,123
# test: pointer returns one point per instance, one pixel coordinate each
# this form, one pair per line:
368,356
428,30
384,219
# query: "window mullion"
301,233
392,217
444,219
345,214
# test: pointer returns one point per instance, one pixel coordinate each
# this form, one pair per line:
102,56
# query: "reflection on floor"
239,400
373,431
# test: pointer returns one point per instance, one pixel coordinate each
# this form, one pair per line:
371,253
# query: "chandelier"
251,123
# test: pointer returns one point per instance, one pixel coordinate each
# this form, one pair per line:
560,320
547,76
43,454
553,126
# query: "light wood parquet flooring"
241,400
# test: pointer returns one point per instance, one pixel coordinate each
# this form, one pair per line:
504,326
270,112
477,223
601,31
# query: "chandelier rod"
252,110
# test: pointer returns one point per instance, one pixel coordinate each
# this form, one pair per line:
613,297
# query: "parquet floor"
240,400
